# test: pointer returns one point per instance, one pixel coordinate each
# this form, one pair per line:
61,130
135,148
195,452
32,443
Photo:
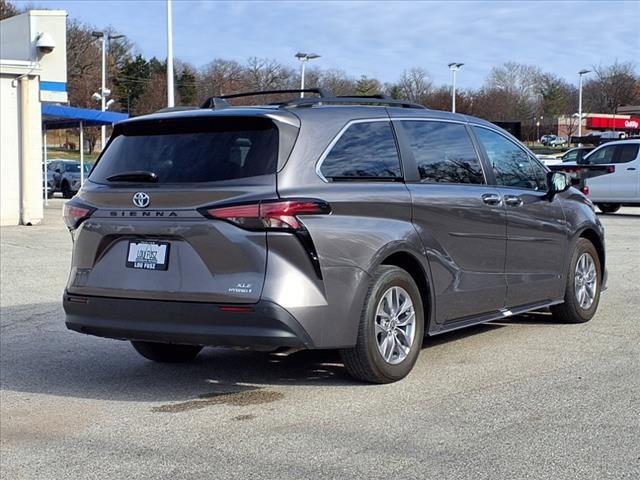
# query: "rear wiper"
134,176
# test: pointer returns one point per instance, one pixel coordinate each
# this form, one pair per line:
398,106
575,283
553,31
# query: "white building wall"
27,77
11,171
9,152
18,38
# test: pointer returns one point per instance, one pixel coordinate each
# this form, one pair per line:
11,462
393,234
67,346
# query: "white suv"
622,187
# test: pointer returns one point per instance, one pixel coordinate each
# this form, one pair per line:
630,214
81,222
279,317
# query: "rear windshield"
191,150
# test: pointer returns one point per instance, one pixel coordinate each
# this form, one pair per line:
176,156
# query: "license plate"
147,255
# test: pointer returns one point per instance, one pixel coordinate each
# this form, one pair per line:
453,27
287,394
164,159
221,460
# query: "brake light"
277,214
611,169
585,190
75,213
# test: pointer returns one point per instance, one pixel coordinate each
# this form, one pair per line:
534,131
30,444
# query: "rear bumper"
192,323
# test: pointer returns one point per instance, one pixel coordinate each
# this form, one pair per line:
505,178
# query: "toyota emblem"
141,199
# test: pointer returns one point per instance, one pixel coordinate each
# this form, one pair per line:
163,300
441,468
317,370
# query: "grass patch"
61,153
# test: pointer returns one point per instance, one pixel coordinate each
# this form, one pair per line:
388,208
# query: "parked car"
612,135
359,224
545,138
65,176
622,186
557,142
575,155
50,181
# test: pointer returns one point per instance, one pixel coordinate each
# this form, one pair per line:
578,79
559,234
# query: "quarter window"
510,163
364,151
443,152
602,156
628,153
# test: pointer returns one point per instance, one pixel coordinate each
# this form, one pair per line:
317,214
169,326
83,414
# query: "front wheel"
166,352
608,207
391,328
582,291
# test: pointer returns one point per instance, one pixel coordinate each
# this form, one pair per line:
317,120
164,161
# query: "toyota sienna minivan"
353,223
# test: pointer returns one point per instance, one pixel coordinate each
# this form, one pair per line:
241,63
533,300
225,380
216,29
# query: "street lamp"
104,91
581,73
304,58
454,67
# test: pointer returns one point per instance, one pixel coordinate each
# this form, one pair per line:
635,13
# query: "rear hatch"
145,234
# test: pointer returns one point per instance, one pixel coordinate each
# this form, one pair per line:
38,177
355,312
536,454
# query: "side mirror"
558,182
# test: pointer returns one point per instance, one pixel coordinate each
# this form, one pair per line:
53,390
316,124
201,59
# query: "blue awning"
58,116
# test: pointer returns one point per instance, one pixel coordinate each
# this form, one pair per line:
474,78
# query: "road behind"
525,398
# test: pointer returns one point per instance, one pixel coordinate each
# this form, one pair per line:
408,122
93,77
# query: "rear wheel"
166,352
391,329
608,207
66,190
582,292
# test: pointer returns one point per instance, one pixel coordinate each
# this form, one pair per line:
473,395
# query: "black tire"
608,207
570,311
66,190
364,361
166,352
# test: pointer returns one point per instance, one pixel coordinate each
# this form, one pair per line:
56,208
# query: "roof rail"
354,100
324,97
220,101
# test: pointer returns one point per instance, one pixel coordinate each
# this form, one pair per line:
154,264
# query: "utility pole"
304,58
581,73
104,91
454,67
170,96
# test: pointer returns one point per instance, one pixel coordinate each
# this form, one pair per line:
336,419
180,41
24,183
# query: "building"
594,123
33,72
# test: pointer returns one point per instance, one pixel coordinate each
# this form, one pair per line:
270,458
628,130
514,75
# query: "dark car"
64,176
358,224
575,154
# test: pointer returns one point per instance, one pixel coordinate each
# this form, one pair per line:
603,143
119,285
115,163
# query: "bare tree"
613,85
154,96
220,77
415,85
8,9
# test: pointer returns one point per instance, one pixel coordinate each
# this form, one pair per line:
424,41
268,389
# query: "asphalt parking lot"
525,398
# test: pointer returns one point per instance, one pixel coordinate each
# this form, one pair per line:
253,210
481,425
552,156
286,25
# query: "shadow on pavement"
39,355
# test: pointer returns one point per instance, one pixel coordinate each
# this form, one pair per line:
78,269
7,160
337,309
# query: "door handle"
491,198
631,168
512,200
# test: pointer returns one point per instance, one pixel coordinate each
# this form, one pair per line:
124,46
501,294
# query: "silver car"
360,224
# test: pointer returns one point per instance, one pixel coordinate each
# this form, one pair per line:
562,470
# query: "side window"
365,150
627,153
570,156
510,163
443,152
539,174
602,156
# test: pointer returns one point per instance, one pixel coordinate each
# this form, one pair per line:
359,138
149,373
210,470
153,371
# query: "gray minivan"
351,223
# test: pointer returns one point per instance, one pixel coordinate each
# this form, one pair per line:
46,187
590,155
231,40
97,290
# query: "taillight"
271,214
611,169
74,213
585,190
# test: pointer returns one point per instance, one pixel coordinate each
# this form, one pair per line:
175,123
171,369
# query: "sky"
377,38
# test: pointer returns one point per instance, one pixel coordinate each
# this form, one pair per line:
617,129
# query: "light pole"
104,91
454,67
170,97
581,73
304,58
